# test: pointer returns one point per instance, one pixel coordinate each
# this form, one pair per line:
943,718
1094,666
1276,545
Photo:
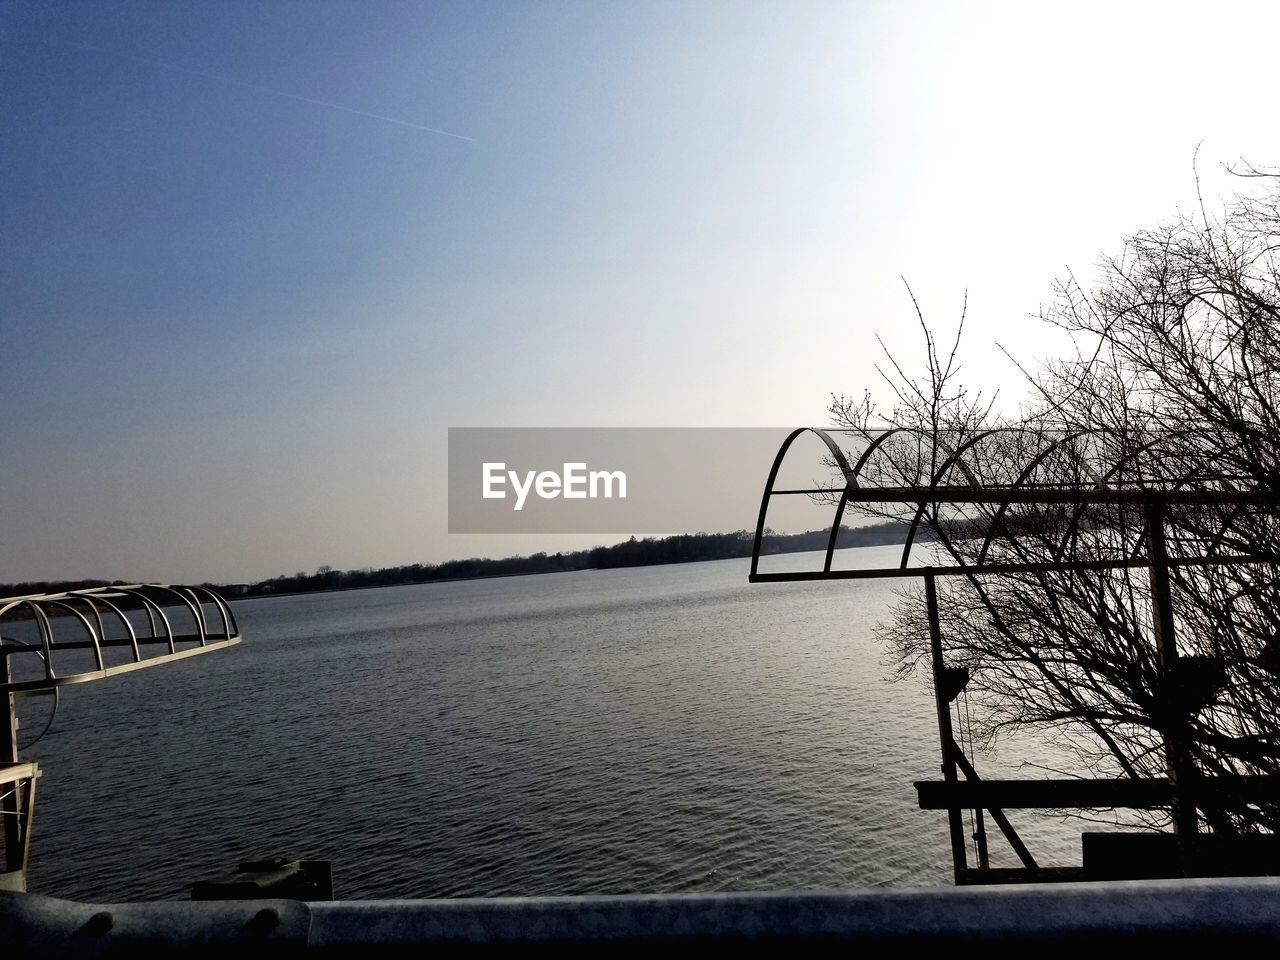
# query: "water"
650,729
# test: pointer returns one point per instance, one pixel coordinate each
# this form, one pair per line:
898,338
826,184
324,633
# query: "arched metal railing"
69,624
60,630
1000,468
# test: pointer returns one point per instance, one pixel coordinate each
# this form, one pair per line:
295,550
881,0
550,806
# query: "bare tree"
1175,383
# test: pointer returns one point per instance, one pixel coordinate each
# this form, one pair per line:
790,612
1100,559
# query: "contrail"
275,93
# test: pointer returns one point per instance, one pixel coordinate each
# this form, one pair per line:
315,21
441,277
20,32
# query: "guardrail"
1191,913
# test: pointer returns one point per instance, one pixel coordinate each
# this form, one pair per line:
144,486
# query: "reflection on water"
651,729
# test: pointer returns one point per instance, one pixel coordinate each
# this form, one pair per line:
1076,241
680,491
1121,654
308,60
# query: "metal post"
1177,749
11,806
956,821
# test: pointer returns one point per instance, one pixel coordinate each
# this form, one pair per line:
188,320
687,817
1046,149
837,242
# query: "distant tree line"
682,548
53,586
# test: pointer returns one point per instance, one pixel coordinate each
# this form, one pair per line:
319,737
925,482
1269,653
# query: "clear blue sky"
236,323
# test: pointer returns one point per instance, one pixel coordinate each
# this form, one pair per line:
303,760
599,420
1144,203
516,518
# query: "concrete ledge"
1173,909
1188,913
36,926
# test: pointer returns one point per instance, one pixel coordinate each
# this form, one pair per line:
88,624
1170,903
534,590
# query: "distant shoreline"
649,552
536,573
421,583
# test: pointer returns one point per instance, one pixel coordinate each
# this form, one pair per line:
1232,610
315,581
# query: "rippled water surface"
651,729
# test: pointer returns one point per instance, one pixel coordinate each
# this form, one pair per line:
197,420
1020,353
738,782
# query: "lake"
648,729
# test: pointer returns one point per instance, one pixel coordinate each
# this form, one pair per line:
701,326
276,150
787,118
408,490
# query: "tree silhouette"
1175,383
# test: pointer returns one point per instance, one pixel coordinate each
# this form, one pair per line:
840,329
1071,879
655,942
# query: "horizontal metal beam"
988,569
13,772
142,641
947,493
28,688
1137,794
993,876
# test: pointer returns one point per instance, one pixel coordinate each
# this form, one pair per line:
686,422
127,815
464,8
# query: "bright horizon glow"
240,309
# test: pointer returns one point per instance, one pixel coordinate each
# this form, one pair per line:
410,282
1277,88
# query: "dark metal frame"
1099,485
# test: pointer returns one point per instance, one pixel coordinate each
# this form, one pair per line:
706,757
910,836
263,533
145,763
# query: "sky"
257,258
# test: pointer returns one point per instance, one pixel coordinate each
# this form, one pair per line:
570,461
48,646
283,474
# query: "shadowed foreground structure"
1018,512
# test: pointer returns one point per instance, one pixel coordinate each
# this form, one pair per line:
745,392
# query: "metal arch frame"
1154,494
93,601
88,629
1023,477
773,478
151,599
851,476
17,804
229,626
1113,471
844,494
42,625
1019,491
93,608
197,620
953,458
